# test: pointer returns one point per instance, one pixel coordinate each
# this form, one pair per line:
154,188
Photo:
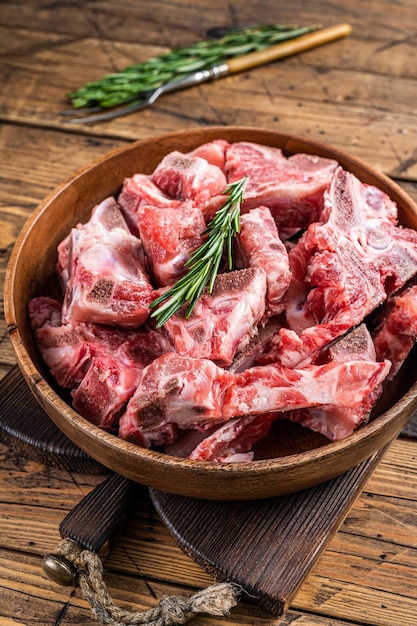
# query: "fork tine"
74,112
108,115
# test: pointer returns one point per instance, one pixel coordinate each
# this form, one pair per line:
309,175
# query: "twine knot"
216,600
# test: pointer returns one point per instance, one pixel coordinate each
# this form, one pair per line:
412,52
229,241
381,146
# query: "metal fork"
147,99
232,66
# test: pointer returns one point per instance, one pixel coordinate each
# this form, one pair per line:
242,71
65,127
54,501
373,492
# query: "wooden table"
358,94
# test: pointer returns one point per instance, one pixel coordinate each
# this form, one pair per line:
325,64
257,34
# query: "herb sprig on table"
132,82
203,264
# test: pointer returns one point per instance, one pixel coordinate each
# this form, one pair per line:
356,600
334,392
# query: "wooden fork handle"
288,48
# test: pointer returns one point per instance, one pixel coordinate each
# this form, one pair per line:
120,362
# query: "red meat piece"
102,365
291,187
349,262
137,191
260,246
335,422
347,387
175,392
396,331
214,152
187,177
223,322
169,236
106,281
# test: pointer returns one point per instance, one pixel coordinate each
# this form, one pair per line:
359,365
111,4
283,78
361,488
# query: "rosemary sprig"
203,264
118,88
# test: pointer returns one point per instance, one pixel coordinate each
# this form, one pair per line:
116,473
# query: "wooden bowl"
294,458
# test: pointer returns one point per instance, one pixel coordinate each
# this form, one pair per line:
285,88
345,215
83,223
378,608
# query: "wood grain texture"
145,554
357,94
268,547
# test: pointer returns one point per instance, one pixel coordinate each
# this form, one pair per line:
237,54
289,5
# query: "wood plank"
146,547
286,96
358,95
182,20
367,605
26,592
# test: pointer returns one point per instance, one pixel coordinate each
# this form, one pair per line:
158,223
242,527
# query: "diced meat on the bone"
107,215
106,280
222,323
260,246
336,422
63,348
233,438
102,365
186,177
291,187
396,332
175,392
350,261
169,236
137,191
347,387
105,389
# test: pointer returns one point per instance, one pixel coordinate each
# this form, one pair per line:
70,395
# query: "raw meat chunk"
291,187
137,191
188,177
175,392
169,236
260,246
106,215
214,152
233,438
396,331
105,389
350,260
63,348
102,365
347,387
106,281
335,422
223,322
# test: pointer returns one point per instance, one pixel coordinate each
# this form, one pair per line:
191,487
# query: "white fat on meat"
291,187
222,323
350,261
106,280
175,392
260,246
169,236
348,386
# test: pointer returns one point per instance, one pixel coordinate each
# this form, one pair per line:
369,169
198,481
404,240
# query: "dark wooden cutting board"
267,546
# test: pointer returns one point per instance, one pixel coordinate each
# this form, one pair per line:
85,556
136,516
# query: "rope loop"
217,600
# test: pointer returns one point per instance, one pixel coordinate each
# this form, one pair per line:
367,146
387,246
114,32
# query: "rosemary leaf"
204,263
